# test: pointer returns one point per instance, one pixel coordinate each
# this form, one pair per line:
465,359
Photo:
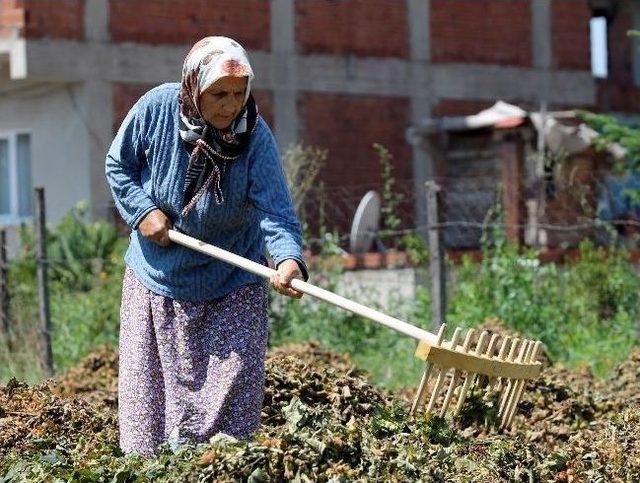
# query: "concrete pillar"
284,72
96,20
510,147
98,96
98,109
422,100
541,42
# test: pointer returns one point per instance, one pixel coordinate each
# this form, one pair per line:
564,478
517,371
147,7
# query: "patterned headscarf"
210,59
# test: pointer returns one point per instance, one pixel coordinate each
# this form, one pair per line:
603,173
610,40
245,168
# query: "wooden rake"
506,362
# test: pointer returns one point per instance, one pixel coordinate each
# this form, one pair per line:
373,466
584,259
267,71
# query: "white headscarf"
210,59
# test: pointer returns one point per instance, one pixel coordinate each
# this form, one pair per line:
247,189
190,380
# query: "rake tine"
510,357
525,353
492,344
516,383
504,382
511,401
472,375
531,357
426,374
442,374
510,383
501,356
489,352
508,394
456,374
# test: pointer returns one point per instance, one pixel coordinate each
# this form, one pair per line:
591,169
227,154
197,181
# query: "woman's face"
223,100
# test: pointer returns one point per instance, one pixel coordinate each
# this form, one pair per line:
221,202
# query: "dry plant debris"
322,421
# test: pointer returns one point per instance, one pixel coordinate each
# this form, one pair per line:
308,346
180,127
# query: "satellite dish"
366,223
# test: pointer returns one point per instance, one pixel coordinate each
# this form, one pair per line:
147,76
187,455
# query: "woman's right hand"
155,226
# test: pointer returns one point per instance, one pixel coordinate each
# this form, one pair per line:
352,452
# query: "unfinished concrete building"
336,74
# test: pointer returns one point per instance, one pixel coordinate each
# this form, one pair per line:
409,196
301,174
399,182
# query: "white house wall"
59,144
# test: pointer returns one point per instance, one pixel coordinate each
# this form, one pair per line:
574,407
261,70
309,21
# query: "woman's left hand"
281,280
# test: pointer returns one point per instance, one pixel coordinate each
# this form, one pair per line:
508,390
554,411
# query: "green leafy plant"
391,199
416,248
78,250
612,131
86,264
585,312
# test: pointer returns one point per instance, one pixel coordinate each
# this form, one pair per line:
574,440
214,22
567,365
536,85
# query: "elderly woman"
197,156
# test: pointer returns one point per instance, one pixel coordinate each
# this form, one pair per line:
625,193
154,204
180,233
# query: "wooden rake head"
507,362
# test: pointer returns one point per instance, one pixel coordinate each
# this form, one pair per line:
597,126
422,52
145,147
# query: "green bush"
83,320
585,312
78,250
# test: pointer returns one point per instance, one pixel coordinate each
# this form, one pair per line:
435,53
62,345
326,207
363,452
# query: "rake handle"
304,287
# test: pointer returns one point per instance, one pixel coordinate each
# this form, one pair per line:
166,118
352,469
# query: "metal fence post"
436,255
4,287
40,232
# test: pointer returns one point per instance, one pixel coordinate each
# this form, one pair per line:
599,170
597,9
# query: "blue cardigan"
145,168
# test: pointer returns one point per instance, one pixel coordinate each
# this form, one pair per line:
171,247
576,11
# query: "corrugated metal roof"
568,137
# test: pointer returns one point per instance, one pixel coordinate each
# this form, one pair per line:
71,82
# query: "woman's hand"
155,226
281,280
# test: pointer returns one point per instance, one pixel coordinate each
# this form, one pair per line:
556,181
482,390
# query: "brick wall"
54,19
347,126
570,34
186,21
264,100
481,31
376,28
12,19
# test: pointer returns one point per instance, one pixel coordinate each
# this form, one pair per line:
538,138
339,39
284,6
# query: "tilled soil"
323,421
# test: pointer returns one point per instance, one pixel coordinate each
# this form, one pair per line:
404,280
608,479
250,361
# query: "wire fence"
547,214
555,210
601,207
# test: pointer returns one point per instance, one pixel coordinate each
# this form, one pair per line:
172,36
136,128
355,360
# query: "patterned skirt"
189,370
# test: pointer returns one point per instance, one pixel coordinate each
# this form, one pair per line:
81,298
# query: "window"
599,47
15,178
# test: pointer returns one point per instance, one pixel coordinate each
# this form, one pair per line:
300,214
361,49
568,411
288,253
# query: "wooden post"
40,232
436,255
4,287
511,149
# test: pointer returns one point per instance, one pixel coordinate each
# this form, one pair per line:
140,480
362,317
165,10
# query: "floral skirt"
189,370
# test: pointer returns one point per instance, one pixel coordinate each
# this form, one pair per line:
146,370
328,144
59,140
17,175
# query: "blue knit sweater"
145,168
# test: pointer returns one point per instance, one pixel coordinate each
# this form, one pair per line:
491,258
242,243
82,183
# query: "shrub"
78,250
585,312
